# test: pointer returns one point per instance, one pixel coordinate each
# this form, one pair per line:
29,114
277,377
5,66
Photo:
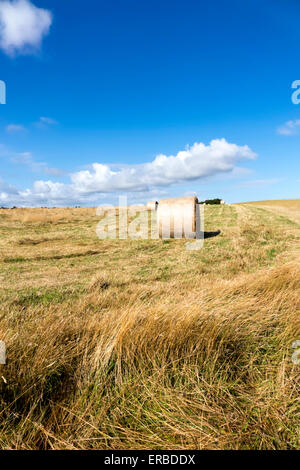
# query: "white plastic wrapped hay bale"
178,217
152,205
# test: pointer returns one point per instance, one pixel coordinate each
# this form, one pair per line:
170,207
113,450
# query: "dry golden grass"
287,203
122,344
284,207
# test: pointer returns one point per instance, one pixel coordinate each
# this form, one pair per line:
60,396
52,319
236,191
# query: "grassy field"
287,207
122,344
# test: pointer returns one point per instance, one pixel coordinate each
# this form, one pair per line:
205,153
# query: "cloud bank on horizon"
22,26
196,162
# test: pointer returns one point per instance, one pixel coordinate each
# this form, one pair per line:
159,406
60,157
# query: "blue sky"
149,99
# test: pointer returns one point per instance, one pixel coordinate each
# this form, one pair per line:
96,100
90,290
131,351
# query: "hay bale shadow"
212,234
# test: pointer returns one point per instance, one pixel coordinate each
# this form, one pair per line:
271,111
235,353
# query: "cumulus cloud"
45,193
22,26
192,164
289,128
197,161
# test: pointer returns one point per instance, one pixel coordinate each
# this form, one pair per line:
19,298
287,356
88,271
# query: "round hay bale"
178,217
152,205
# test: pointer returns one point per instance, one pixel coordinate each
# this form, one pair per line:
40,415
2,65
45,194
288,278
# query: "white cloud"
14,128
27,159
7,189
194,163
197,161
258,183
48,120
11,128
289,128
22,26
42,123
45,122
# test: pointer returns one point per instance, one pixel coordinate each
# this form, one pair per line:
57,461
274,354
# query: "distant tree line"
211,201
